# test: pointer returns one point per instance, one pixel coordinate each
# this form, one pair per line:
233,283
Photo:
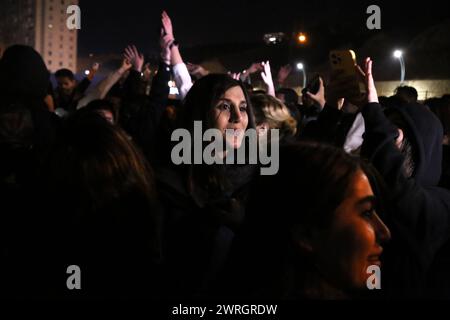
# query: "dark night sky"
107,26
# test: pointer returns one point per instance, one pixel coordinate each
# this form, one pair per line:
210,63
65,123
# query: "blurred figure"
290,98
311,109
27,134
441,108
103,216
69,91
271,113
404,144
406,94
105,109
320,248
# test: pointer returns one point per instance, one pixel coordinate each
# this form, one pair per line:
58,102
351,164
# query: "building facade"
42,25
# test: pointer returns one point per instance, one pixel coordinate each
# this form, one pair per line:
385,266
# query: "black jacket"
70,102
419,217
331,127
24,81
141,115
198,230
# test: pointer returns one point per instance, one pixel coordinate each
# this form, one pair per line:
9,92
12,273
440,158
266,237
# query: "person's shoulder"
170,182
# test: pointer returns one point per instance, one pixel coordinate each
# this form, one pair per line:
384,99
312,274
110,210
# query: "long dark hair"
203,97
313,180
197,106
103,207
100,160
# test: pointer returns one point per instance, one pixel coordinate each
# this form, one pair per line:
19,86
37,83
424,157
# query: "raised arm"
103,87
266,74
181,74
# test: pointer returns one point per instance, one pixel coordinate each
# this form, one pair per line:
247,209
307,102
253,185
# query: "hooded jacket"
24,78
23,73
419,217
27,130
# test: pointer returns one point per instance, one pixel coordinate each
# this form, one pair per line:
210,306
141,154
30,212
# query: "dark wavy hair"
99,162
103,211
197,106
313,180
204,95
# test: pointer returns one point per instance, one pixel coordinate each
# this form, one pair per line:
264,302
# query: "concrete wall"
425,88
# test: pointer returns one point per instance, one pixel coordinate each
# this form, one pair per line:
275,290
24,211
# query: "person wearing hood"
24,79
27,128
405,146
27,132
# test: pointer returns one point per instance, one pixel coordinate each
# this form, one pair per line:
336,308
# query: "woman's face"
352,243
230,113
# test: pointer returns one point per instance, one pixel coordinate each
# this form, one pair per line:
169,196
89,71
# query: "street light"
301,67
398,54
274,38
302,38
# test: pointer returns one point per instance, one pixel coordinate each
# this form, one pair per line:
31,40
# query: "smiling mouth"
234,133
375,259
375,262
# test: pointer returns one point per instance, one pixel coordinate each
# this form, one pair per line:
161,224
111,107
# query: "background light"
302,38
398,54
300,66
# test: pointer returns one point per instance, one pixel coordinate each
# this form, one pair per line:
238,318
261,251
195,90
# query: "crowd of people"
86,179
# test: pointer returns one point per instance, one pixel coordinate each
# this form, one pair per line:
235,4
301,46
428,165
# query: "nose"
236,115
382,231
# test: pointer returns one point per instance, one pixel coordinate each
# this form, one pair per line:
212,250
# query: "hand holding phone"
313,85
346,81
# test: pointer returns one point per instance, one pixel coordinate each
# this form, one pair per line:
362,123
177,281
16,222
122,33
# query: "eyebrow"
228,100
364,200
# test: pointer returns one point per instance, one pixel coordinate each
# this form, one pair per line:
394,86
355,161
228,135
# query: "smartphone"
313,85
343,64
343,61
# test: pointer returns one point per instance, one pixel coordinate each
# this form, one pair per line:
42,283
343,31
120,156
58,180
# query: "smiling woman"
204,202
324,247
